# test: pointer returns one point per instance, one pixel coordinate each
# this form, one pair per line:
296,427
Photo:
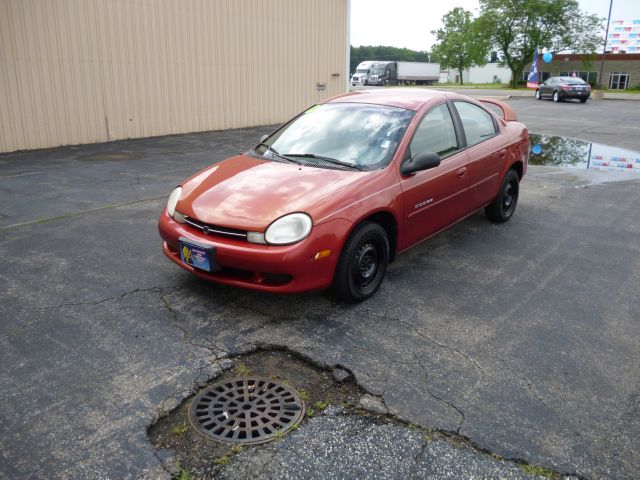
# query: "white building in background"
489,73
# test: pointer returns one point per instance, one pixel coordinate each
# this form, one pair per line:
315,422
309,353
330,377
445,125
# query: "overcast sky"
408,23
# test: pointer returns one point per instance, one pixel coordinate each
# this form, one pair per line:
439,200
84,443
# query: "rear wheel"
503,206
538,95
363,263
556,97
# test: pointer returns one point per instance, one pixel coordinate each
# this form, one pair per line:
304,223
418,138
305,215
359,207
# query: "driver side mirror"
422,161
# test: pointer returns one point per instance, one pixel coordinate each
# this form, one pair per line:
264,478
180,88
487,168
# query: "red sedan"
332,196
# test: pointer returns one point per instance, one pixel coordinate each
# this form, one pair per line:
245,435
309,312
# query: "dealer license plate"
198,256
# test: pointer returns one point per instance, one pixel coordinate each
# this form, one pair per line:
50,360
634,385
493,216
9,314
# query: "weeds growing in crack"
303,394
182,475
223,460
536,470
241,370
180,429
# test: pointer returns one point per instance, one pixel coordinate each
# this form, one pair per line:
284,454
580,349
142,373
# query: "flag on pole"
533,79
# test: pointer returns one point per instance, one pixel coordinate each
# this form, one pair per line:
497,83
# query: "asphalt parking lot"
522,338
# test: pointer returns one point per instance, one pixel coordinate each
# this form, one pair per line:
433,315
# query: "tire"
556,97
362,264
503,206
538,95
583,100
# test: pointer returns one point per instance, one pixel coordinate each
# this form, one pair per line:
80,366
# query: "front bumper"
284,269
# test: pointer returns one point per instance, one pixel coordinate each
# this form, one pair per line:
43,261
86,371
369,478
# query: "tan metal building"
84,71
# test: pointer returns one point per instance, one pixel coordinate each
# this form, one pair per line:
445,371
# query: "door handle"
461,172
503,153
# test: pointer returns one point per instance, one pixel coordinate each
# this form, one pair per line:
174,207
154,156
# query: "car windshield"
361,70
358,135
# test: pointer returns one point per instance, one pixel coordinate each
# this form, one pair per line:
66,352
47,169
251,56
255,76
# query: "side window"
477,123
435,133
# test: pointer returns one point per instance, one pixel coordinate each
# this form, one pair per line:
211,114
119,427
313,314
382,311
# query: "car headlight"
173,201
289,229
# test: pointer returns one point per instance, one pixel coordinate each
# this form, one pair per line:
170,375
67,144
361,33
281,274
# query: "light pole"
604,50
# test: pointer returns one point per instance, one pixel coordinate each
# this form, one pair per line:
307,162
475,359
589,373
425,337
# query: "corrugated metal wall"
82,71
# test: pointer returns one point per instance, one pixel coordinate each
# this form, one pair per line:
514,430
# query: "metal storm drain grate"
245,410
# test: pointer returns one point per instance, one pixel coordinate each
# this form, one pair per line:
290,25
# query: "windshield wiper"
324,159
275,153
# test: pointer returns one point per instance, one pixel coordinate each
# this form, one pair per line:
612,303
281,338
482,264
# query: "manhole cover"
245,410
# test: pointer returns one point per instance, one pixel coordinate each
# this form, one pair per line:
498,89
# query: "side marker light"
322,254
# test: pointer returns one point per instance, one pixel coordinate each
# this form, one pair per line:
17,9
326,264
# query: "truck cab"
363,70
383,73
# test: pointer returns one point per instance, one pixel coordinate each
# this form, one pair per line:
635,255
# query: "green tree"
517,27
461,44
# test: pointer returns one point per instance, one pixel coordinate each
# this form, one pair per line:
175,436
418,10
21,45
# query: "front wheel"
556,97
583,100
538,95
363,263
503,206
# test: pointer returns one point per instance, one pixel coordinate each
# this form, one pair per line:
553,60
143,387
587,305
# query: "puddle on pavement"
554,151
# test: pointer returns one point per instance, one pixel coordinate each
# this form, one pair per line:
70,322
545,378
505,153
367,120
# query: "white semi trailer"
419,73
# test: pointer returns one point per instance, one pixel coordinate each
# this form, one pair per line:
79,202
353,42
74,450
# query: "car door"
486,151
542,87
548,87
434,198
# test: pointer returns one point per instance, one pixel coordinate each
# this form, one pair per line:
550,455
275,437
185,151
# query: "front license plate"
198,256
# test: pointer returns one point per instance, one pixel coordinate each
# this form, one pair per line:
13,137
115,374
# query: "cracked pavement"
523,337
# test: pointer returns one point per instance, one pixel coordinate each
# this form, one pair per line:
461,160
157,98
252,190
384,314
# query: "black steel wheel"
538,95
503,206
556,96
363,263
583,100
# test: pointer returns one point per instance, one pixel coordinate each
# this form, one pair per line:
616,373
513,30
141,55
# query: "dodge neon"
332,196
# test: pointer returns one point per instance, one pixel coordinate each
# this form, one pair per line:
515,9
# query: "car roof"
409,98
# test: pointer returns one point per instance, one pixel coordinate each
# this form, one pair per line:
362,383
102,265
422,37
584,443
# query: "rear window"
573,81
478,124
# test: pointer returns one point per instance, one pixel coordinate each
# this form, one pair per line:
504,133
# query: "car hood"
249,193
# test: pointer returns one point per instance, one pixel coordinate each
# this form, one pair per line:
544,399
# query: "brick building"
621,70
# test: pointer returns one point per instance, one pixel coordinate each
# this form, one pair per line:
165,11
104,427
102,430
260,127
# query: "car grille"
209,229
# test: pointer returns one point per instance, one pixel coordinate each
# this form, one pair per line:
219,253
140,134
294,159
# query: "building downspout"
347,77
